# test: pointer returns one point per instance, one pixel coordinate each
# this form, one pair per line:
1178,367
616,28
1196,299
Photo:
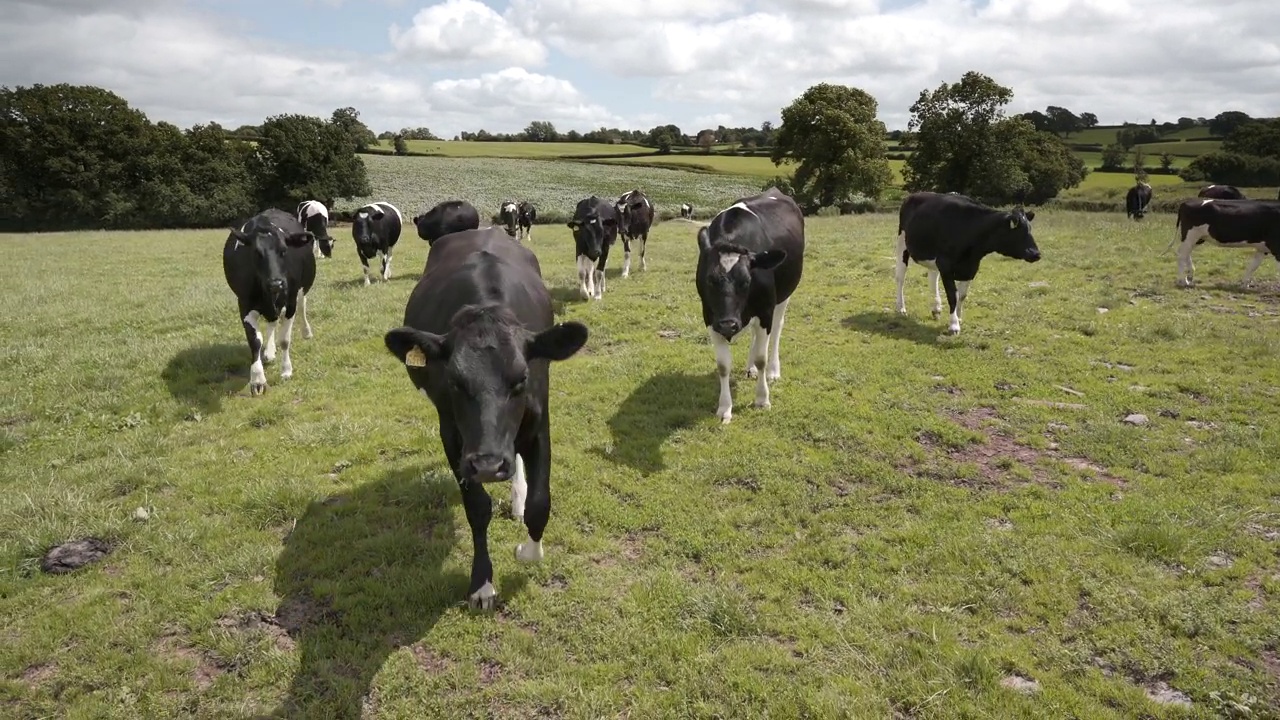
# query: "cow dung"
74,555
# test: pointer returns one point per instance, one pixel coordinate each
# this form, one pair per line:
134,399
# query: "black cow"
750,259
526,214
595,228
450,216
314,216
376,229
270,266
1248,224
508,216
637,219
686,211
477,340
1221,192
950,235
1136,200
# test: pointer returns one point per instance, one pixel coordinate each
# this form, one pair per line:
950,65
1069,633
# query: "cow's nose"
1033,254
487,467
728,327
277,284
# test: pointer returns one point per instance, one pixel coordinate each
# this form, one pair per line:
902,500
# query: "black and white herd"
478,335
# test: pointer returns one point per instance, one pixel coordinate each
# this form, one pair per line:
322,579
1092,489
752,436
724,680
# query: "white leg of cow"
775,362
754,348
1254,262
519,490
585,277
306,326
900,273
724,365
367,281
762,379
286,340
599,276
936,311
386,266
626,263
257,376
962,289
1187,268
269,346
644,263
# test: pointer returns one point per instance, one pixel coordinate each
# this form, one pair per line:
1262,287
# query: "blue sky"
457,65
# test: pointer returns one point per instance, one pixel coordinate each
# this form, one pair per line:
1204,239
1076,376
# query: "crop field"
1186,149
920,527
1107,135
448,148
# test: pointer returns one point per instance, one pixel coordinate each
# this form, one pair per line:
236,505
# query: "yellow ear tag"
415,358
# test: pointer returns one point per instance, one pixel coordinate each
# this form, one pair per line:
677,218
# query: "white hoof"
954,329
529,552
286,372
483,599
902,310
308,334
256,388
725,415
752,372
762,404
936,313
773,374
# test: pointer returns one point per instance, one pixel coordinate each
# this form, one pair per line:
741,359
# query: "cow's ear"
558,342
242,238
416,348
704,238
299,239
768,259
574,224
377,215
611,221
1031,215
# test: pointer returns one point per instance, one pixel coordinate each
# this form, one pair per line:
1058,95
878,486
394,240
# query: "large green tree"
348,118
302,157
833,137
964,143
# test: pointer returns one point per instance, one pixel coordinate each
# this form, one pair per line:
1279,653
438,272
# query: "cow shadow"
562,295
895,326
360,576
655,410
202,376
358,281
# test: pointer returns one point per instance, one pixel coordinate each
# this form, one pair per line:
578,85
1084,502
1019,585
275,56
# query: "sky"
456,65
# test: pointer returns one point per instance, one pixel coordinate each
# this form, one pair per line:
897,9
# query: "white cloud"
465,30
515,95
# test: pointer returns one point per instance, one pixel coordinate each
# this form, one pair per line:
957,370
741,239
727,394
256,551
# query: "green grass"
904,529
1184,148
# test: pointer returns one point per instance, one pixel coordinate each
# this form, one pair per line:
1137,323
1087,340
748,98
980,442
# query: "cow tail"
1177,226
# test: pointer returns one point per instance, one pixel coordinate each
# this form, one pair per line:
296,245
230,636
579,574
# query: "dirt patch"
431,662
490,670
39,673
1160,693
256,622
556,582
74,555
749,484
1271,663
206,669
14,420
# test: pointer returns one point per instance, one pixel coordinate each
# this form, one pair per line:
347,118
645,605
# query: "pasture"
920,527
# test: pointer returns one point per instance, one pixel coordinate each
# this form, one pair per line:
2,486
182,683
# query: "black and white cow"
949,235
376,229
526,214
636,220
1248,224
750,259
477,340
270,266
595,229
314,216
508,216
686,211
446,217
1221,192
1136,200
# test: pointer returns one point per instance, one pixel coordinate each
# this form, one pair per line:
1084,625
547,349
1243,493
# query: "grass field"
449,148
1107,135
916,529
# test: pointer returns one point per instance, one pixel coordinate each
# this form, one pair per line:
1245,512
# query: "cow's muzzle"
1031,255
485,468
727,328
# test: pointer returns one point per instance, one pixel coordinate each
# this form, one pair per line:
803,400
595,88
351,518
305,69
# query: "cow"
750,259
686,211
1221,192
508,215
477,340
526,214
949,235
270,266
1136,200
1248,224
636,220
376,229
595,228
446,217
314,216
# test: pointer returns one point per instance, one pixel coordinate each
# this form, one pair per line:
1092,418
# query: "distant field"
760,167
450,148
1187,148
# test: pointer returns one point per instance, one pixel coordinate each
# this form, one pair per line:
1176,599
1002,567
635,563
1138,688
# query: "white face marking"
728,260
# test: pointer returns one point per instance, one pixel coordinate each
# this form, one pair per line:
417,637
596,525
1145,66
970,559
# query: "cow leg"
1187,268
481,594
519,489
586,276
937,299
754,349
269,346
286,340
386,265
775,363
365,262
900,272
644,240
257,377
949,283
724,365
626,257
599,273
758,363
306,326
1254,262
538,505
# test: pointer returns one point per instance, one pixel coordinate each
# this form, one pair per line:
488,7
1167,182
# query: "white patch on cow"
962,291
1187,268
386,266
388,206
269,346
286,344
774,371
724,365
529,552
306,326
760,350
728,260
586,277
257,376
312,207
753,350
626,263
519,490
599,280
644,262
484,598
1206,201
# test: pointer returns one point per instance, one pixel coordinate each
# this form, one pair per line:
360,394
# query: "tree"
1113,156
1131,135
964,143
833,137
541,131
348,118
1088,120
1062,121
706,139
1256,137
302,157
1140,164
1186,123
1038,120
1166,161
400,144
1223,123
